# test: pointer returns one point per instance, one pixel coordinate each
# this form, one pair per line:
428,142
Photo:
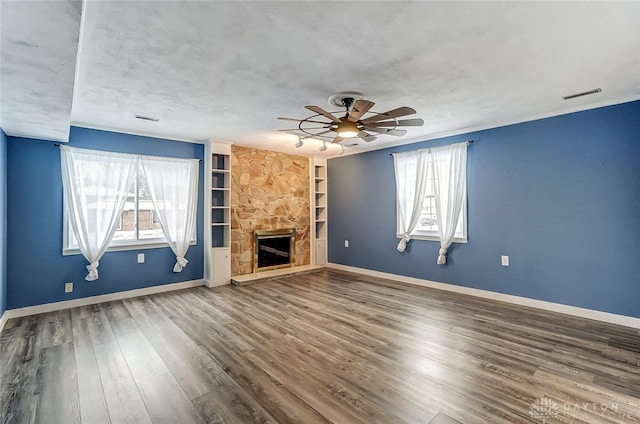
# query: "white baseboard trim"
92,300
211,285
3,320
508,298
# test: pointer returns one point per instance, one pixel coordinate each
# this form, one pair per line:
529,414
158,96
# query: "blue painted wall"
3,222
560,196
36,269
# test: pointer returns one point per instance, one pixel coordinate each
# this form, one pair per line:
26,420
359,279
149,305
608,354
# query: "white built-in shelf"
217,263
220,200
319,182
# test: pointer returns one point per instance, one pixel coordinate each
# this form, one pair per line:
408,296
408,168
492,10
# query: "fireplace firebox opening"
273,249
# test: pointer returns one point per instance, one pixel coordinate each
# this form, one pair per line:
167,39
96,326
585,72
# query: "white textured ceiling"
38,47
225,70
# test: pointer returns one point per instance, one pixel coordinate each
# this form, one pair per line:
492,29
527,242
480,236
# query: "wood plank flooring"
328,347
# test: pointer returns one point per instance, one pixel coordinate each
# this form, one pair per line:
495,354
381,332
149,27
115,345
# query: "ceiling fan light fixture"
357,121
348,129
324,146
299,143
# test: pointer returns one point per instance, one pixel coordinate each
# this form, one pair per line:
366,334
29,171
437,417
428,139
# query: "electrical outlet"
346,243
140,258
68,287
504,259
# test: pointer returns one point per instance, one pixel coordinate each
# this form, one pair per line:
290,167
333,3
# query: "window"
138,225
427,228
407,172
105,193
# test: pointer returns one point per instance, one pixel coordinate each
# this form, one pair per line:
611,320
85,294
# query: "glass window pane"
127,227
145,219
149,224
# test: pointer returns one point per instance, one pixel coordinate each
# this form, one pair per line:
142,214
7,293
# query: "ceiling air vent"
584,93
146,118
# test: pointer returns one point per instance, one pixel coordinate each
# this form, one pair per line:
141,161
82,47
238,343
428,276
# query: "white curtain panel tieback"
181,262
442,256
402,245
95,186
173,185
410,170
448,167
93,271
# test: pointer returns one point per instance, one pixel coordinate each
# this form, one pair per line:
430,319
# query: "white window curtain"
448,168
95,187
411,179
173,185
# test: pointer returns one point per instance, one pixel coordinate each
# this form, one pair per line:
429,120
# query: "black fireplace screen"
273,249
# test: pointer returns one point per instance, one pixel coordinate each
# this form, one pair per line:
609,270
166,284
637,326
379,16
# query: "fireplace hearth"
273,249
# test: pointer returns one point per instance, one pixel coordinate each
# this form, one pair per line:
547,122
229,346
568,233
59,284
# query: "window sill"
434,238
138,246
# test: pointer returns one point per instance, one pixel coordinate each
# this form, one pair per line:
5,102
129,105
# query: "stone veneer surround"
269,190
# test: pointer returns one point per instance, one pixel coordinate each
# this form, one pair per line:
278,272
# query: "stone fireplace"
269,191
273,249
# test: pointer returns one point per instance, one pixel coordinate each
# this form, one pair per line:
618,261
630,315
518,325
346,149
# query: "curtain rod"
468,142
58,145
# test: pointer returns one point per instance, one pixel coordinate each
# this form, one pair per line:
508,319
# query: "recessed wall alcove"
269,190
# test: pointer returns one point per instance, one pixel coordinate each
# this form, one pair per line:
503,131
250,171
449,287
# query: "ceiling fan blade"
359,108
403,123
305,120
401,111
324,113
389,131
366,137
307,128
397,133
316,135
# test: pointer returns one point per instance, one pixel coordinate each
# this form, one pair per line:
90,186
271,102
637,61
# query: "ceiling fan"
358,121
